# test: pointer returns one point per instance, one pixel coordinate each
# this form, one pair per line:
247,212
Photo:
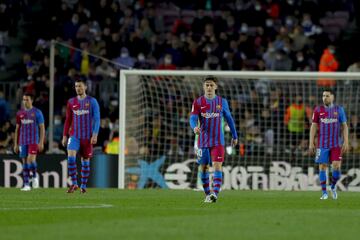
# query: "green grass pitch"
176,214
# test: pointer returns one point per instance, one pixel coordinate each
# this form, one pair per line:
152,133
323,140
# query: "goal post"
157,144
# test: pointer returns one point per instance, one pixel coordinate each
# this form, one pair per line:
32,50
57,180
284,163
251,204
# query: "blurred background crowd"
276,35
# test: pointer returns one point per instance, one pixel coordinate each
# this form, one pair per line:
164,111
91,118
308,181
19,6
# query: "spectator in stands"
4,108
167,63
328,63
282,62
303,64
58,128
105,70
355,67
269,56
354,133
124,60
6,137
295,120
104,133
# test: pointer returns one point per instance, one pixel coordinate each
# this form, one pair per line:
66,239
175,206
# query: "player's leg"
33,169
23,152
85,173
335,158
32,151
322,158
73,147
86,152
203,160
217,156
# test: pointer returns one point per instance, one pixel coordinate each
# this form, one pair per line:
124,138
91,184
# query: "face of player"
209,88
27,101
80,89
328,98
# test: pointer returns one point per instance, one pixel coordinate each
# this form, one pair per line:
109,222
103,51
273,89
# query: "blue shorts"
83,146
206,156
328,155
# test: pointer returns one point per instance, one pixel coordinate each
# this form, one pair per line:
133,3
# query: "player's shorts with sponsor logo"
82,146
206,156
328,155
25,150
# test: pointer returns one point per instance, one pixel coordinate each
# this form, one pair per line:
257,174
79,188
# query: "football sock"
85,173
217,181
33,169
322,178
26,170
335,178
72,169
205,181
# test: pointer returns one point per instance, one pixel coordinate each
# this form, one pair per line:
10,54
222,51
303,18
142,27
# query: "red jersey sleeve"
315,117
67,120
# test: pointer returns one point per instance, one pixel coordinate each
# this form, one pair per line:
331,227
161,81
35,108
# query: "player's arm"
313,130
230,121
16,146
344,131
67,124
40,121
96,120
194,117
345,136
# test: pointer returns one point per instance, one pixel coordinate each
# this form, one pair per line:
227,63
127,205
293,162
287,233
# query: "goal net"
272,154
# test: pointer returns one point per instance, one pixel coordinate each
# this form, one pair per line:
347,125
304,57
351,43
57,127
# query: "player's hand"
64,141
93,139
312,148
234,142
344,148
41,147
197,130
16,148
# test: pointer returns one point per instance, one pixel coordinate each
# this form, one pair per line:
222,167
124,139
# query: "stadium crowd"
291,35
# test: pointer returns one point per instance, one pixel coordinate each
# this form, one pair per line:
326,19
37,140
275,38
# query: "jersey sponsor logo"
27,121
81,112
329,120
210,115
202,107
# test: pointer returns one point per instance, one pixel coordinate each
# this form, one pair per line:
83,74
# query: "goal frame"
270,75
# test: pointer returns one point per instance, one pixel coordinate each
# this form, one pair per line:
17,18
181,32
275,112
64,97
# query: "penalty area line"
58,207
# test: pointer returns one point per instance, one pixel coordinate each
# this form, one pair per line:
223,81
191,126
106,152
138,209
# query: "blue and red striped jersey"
329,120
210,113
29,121
82,117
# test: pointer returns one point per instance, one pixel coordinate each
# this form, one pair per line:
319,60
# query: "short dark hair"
80,79
330,90
210,78
28,94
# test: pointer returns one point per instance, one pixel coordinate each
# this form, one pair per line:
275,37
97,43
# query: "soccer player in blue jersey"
82,125
209,110
29,139
329,124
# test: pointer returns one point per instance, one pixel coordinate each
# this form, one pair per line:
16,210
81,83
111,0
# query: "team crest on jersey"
335,113
33,114
218,107
87,105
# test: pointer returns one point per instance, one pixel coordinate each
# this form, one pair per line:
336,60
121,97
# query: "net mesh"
160,144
